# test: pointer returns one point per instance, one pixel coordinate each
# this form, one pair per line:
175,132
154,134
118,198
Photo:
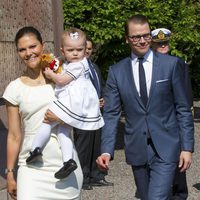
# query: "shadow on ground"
196,114
197,186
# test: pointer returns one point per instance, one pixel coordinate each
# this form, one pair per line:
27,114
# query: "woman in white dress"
27,99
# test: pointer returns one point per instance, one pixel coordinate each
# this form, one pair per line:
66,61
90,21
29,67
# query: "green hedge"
104,22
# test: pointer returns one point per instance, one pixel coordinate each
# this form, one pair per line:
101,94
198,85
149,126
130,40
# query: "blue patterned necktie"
94,78
142,81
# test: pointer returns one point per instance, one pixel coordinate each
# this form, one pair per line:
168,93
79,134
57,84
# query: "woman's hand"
51,117
11,186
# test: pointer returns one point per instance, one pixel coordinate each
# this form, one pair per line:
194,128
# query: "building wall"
47,17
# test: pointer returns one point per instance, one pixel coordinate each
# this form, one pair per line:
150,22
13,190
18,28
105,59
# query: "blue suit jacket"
167,117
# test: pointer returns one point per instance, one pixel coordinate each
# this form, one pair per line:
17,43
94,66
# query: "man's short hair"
138,19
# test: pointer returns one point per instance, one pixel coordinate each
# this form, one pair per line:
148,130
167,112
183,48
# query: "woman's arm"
59,79
13,145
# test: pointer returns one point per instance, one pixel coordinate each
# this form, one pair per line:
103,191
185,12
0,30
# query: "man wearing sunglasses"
160,43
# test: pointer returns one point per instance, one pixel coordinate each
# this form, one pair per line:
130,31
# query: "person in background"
160,43
27,99
88,142
160,40
159,129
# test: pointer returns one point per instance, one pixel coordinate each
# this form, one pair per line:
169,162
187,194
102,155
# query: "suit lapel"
155,69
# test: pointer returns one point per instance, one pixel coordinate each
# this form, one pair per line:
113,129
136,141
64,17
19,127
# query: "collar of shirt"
148,65
148,57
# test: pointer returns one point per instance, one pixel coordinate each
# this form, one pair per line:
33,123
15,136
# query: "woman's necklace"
40,81
33,79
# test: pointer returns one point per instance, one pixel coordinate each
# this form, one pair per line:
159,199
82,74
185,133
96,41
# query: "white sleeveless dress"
78,102
37,182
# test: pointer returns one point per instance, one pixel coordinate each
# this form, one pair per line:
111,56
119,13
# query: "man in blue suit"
159,130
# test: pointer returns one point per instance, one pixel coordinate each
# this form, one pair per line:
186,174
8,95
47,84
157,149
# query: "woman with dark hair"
27,99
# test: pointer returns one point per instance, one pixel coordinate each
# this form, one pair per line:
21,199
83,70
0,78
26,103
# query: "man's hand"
185,160
103,162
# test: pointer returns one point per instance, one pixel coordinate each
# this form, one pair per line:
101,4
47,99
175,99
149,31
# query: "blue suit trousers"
154,180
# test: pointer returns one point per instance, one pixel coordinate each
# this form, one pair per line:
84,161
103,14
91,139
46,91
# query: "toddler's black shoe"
67,169
34,155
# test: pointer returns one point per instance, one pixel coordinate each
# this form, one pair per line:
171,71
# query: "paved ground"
121,175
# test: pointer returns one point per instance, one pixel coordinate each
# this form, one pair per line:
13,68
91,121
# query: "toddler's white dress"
78,102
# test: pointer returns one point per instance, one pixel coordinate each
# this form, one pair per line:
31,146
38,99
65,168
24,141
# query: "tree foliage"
104,22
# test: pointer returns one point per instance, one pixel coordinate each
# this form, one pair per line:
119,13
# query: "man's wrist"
106,154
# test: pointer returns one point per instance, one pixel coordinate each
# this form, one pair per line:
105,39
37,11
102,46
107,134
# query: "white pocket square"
160,81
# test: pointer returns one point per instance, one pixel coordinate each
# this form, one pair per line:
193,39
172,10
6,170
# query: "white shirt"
148,66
